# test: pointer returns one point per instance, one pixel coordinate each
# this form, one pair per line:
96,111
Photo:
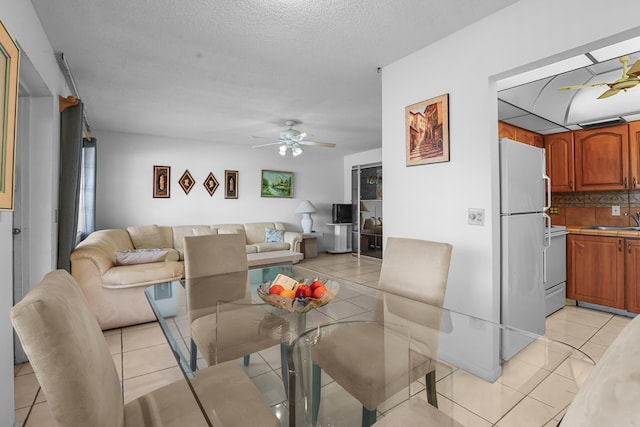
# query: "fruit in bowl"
303,291
297,295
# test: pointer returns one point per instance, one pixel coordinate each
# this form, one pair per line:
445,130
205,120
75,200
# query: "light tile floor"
144,362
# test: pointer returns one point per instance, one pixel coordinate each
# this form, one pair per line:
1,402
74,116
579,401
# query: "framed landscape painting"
276,184
9,62
427,131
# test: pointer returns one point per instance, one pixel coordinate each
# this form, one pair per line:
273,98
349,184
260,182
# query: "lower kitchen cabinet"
632,273
596,270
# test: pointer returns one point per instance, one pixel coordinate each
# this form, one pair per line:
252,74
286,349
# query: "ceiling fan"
630,78
291,140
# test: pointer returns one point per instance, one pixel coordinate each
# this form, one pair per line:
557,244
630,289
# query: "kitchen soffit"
540,107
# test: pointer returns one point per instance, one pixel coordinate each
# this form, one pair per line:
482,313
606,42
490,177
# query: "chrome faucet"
635,217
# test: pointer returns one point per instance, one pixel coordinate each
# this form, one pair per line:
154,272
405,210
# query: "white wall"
125,170
24,26
431,201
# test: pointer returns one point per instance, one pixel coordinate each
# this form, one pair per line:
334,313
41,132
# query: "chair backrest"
211,254
416,269
69,354
414,280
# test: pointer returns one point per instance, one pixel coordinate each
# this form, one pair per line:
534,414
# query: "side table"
310,244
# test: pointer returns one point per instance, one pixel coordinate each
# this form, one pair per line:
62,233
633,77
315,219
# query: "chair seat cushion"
241,331
227,394
368,363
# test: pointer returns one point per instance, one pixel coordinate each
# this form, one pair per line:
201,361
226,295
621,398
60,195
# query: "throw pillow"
273,236
140,256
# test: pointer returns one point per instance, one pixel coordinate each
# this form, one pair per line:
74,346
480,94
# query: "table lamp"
306,208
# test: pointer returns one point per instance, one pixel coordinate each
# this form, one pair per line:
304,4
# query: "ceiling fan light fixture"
296,151
283,150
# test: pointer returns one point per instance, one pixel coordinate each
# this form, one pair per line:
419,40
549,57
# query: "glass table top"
228,319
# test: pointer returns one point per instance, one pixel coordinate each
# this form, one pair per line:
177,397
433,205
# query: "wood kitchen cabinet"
505,130
596,270
560,161
632,275
602,158
634,154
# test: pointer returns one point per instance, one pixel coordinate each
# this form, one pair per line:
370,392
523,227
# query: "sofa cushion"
271,235
251,249
269,247
255,231
140,256
179,231
127,276
146,236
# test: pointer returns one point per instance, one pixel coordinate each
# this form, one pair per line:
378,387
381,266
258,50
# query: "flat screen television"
341,213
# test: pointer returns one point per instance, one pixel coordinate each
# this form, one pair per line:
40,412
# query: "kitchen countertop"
580,229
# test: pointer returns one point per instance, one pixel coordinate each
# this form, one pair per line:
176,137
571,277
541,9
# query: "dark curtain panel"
69,193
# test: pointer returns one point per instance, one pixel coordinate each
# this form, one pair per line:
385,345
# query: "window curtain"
87,207
69,192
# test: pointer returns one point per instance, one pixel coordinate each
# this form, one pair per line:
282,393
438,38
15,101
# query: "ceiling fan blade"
267,144
262,137
317,143
581,86
608,93
635,69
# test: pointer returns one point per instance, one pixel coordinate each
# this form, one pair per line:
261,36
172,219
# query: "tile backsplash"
593,207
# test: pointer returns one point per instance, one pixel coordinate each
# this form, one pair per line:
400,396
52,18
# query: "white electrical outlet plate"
615,210
475,216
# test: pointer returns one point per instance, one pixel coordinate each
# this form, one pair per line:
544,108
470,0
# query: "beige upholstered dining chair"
73,364
413,281
217,276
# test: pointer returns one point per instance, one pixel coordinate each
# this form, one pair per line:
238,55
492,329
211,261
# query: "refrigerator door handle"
547,245
548,182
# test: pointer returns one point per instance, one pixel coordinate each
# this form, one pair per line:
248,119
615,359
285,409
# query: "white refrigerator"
525,195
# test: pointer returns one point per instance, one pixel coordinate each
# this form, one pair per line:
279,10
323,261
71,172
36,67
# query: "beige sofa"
116,292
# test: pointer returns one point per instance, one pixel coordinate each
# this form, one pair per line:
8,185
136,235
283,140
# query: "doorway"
366,200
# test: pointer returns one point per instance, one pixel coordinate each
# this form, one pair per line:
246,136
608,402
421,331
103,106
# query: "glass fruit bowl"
299,304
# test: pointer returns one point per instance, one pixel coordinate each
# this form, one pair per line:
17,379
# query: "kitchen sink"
611,228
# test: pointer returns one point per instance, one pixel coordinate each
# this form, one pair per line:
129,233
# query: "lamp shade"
306,207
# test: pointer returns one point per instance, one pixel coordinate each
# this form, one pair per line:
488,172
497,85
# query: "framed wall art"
9,65
427,131
230,184
276,184
186,181
161,180
211,184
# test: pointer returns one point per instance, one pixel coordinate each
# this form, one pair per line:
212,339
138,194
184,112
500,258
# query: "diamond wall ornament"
211,183
186,181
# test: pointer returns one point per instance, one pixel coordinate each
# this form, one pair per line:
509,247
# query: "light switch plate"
475,216
615,210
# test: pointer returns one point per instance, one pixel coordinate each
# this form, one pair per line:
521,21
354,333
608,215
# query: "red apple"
315,284
303,291
319,291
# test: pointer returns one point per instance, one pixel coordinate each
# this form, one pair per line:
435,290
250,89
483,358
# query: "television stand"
341,235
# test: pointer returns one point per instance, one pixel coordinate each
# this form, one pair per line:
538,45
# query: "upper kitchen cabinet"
505,130
634,154
560,161
602,158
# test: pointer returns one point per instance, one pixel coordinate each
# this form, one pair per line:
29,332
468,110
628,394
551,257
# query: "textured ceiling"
225,69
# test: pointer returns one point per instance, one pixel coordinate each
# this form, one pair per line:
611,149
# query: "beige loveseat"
116,292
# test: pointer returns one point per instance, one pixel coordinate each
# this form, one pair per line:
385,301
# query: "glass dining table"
325,357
